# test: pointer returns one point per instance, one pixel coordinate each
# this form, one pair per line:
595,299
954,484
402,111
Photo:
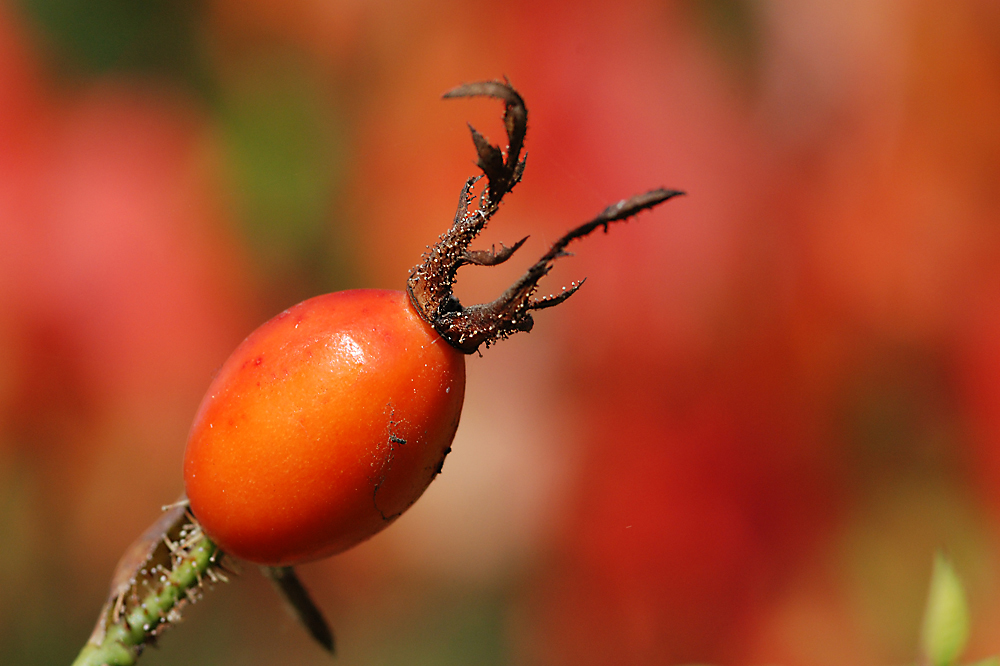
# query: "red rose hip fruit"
323,426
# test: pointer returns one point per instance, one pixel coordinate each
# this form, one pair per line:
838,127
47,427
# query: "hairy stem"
163,571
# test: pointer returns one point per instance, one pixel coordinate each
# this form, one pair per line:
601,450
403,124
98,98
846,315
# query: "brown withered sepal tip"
430,284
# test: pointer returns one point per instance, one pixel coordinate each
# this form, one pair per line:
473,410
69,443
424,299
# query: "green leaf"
946,619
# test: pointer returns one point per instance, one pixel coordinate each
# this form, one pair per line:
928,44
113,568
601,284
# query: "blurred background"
740,443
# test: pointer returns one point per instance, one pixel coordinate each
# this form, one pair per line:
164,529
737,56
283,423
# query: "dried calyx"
430,284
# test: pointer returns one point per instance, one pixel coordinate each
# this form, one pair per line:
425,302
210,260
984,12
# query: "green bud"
946,619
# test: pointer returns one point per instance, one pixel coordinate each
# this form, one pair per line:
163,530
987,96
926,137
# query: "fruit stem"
159,574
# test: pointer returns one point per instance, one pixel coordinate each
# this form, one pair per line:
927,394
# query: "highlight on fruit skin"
332,418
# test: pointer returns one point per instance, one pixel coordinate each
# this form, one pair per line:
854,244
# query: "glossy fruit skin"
323,426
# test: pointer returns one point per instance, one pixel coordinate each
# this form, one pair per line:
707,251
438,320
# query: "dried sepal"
301,605
486,323
556,299
431,282
493,256
503,172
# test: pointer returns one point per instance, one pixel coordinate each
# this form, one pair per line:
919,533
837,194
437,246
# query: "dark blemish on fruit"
440,465
393,441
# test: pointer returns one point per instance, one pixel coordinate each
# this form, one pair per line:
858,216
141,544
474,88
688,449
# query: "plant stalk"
159,574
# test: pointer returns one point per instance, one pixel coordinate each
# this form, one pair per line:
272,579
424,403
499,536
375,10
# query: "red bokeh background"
740,443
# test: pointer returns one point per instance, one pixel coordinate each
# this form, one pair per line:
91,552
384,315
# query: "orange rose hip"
323,426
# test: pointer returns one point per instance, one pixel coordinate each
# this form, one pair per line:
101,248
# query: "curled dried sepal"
485,323
159,574
503,172
431,282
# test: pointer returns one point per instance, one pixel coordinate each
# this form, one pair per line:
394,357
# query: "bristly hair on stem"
163,571
431,282
160,573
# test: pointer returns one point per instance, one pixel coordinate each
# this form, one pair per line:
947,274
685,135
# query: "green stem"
157,577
